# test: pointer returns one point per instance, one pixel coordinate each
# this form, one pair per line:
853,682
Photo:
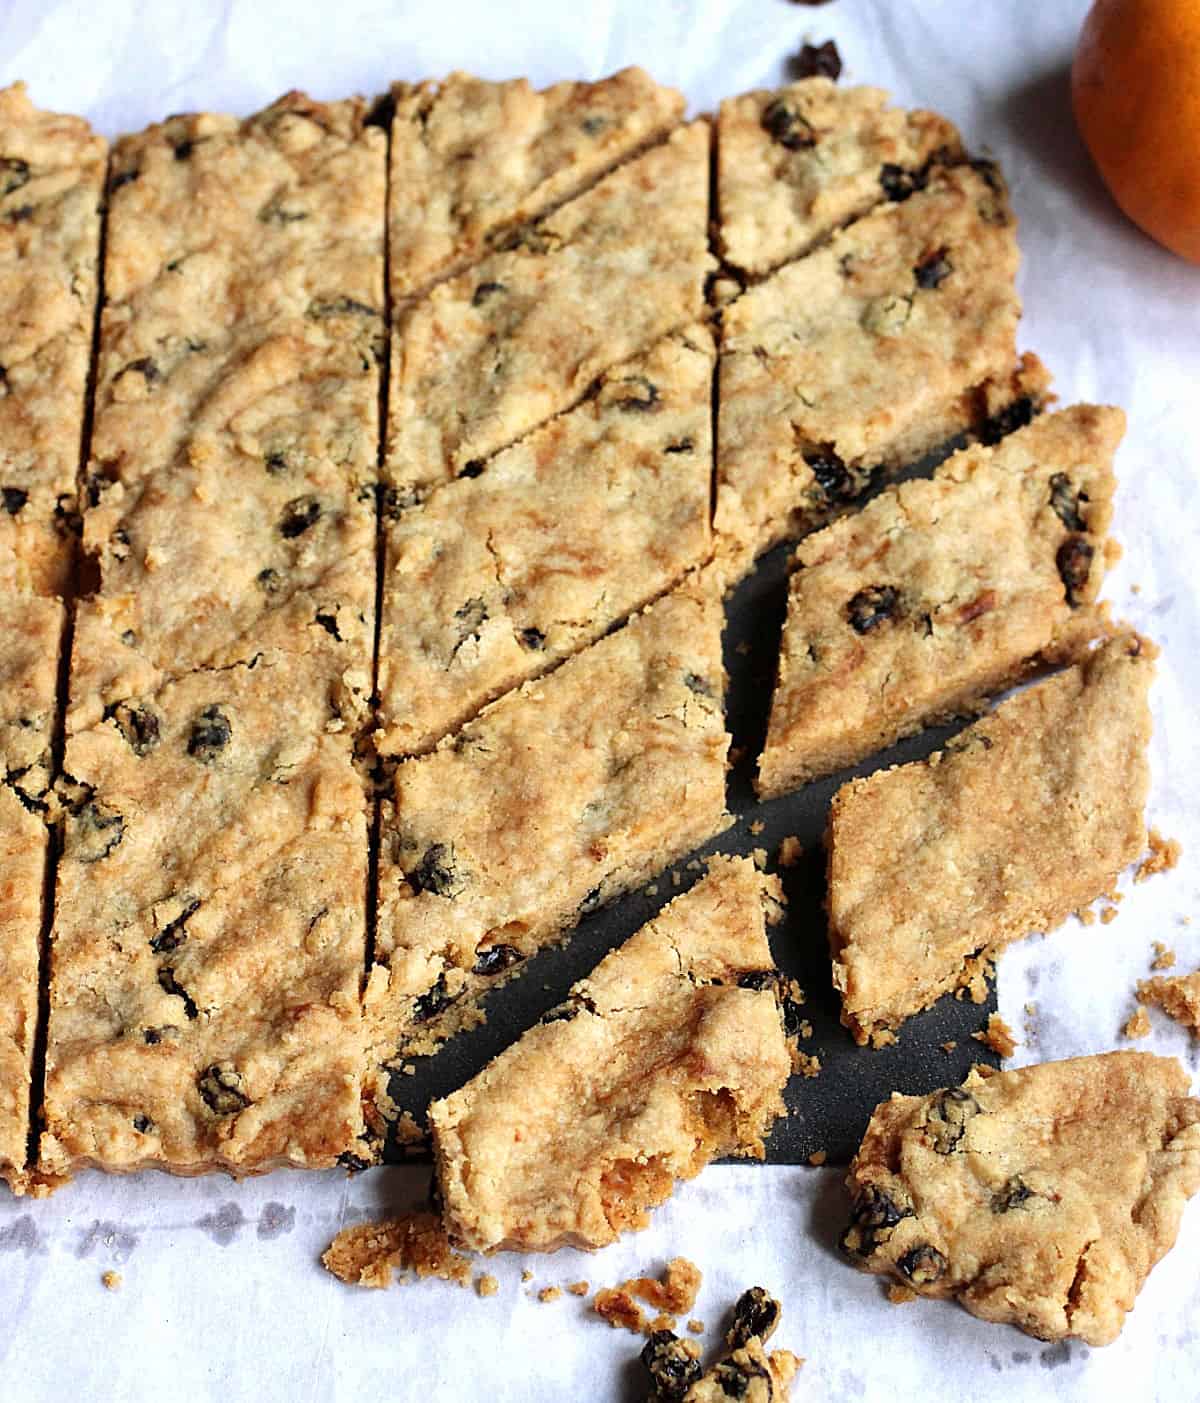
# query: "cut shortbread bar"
210,935
796,163
1178,995
941,591
494,579
230,500
29,637
496,351
1024,817
872,351
556,798
1040,1198
669,1054
51,185
471,158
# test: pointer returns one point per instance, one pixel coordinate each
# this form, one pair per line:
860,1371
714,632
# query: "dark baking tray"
827,1112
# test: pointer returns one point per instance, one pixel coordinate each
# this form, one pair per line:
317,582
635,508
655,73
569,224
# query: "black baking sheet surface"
830,1111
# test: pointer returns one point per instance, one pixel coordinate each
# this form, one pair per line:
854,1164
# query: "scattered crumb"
1030,1010
818,1157
1108,915
1135,589
620,1310
696,1326
900,1295
407,1131
671,1294
1178,996
949,1047
675,878
113,1280
998,1036
806,1065
579,1288
652,889
757,827
549,1293
1137,1025
1086,916
486,1284
369,1254
695,865
760,858
791,850
526,1275
409,1069
1163,855
1164,958
883,1037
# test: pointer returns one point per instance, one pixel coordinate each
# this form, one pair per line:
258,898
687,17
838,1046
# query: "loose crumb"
1164,958
806,1065
1178,995
760,858
949,1047
579,1288
620,1310
675,878
791,850
818,1158
805,1028
998,1036
757,827
1086,916
883,1037
1163,855
486,1284
113,1281
901,1295
671,1295
1108,915
549,1293
1030,1010
409,1069
696,1326
652,889
372,1253
526,1275
1137,1025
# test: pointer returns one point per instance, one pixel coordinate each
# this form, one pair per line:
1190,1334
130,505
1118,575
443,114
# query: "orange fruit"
1135,86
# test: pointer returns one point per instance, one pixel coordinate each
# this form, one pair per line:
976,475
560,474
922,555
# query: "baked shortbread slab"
798,162
51,190
495,579
209,936
230,501
30,629
1026,816
1039,1198
471,158
672,1052
555,799
493,353
893,337
940,592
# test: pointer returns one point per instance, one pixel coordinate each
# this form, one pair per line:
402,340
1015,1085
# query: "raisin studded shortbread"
1026,816
51,184
884,343
471,158
209,937
1039,1198
555,799
797,163
941,591
498,350
495,579
671,1053
29,638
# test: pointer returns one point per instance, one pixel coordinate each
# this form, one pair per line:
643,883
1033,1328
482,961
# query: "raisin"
436,872
431,1003
734,1377
1014,1193
1066,502
211,733
685,445
923,1265
144,367
330,624
20,215
1074,561
670,1365
872,1219
153,1036
532,638
472,469
872,606
14,499
276,462
496,958
392,501
13,174
471,617
640,398
275,212
948,1117
183,149
143,1125
170,985
833,477
1012,417
593,126
933,270
790,128
756,1313
816,61
123,178
899,184
561,1013
339,307
299,514
221,1087
484,291
354,1163
129,638
98,831
271,581
989,171
701,686
174,933
138,724
591,902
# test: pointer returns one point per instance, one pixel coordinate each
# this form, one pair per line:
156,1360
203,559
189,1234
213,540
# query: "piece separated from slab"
495,352
230,501
471,158
1024,817
495,579
209,933
796,163
51,187
876,349
1178,995
671,1053
941,591
30,629
555,799
1039,1198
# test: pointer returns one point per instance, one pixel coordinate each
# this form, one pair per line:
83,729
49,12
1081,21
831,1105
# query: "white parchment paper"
222,1296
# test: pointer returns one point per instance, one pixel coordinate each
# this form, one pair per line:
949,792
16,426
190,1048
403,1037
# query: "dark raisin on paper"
1074,560
756,1313
923,1265
948,1116
933,270
495,959
871,607
14,499
211,733
221,1087
816,61
671,1366
789,127
1066,502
